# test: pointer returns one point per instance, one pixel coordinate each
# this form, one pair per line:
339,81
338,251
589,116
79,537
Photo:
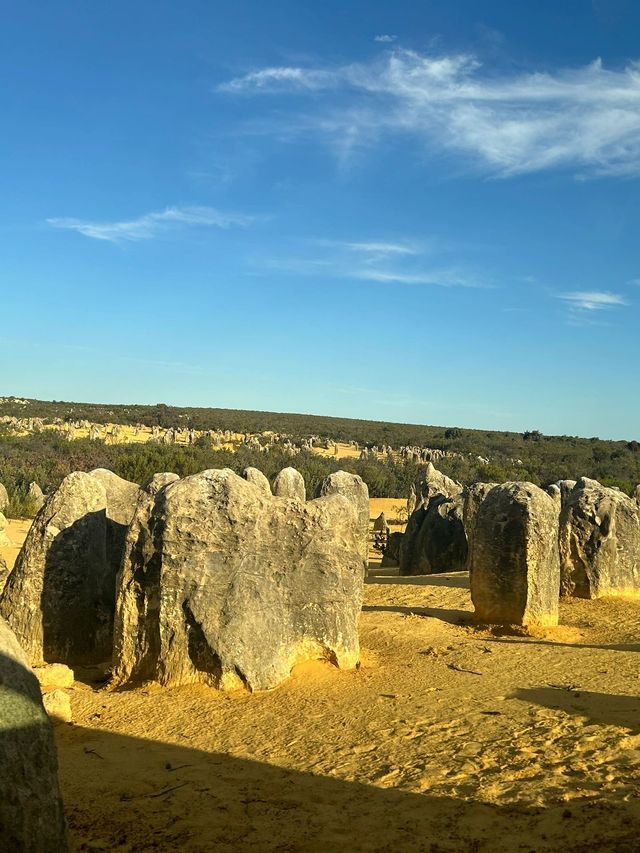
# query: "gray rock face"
352,487
4,498
290,484
36,494
4,574
599,542
236,586
255,476
122,498
4,536
472,497
566,487
59,598
515,578
139,573
391,554
31,815
554,492
435,541
433,483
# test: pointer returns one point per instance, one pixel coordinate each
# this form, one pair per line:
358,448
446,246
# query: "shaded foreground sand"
448,738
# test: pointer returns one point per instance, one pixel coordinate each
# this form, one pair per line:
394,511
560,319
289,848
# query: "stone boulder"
4,498
59,599
31,814
4,573
4,536
435,541
636,494
352,487
122,498
289,483
391,555
599,542
138,573
54,676
37,495
472,497
236,586
515,577
255,476
434,482
57,704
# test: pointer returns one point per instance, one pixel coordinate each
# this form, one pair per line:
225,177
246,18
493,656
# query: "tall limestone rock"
4,498
255,476
434,540
289,483
516,567
472,497
352,487
237,586
599,542
59,597
31,814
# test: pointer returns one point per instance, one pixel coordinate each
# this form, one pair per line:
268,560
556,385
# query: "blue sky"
408,211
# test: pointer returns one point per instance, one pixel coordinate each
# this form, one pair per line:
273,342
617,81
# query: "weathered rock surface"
599,542
435,540
31,814
352,487
515,578
4,536
433,483
36,494
135,608
255,476
4,574
4,498
122,499
59,598
637,494
57,704
289,483
54,676
235,585
391,554
472,497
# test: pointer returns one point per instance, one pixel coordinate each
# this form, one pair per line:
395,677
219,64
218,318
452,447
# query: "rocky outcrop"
289,483
599,542
433,483
4,498
236,586
4,574
472,497
135,608
54,676
391,554
435,541
59,598
37,495
515,577
31,815
255,476
4,536
352,487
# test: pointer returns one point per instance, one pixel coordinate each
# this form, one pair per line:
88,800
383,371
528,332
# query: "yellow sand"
447,738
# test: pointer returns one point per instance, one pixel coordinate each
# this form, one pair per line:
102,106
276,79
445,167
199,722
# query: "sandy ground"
447,738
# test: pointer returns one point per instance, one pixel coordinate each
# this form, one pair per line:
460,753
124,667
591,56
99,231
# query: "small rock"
58,706
53,676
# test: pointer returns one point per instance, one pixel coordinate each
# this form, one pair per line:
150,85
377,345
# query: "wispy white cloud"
385,38
586,119
403,262
152,225
592,300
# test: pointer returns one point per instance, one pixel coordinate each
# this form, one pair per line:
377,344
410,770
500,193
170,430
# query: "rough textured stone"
122,499
515,578
4,536
57,704
434,482
135,608
554,492
4,574
352,487
391,554
53,676
31,815
4,498
36,494
255,476
237,586
637,494
59,598
435,541
566,487
599,542
290,484
472,497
